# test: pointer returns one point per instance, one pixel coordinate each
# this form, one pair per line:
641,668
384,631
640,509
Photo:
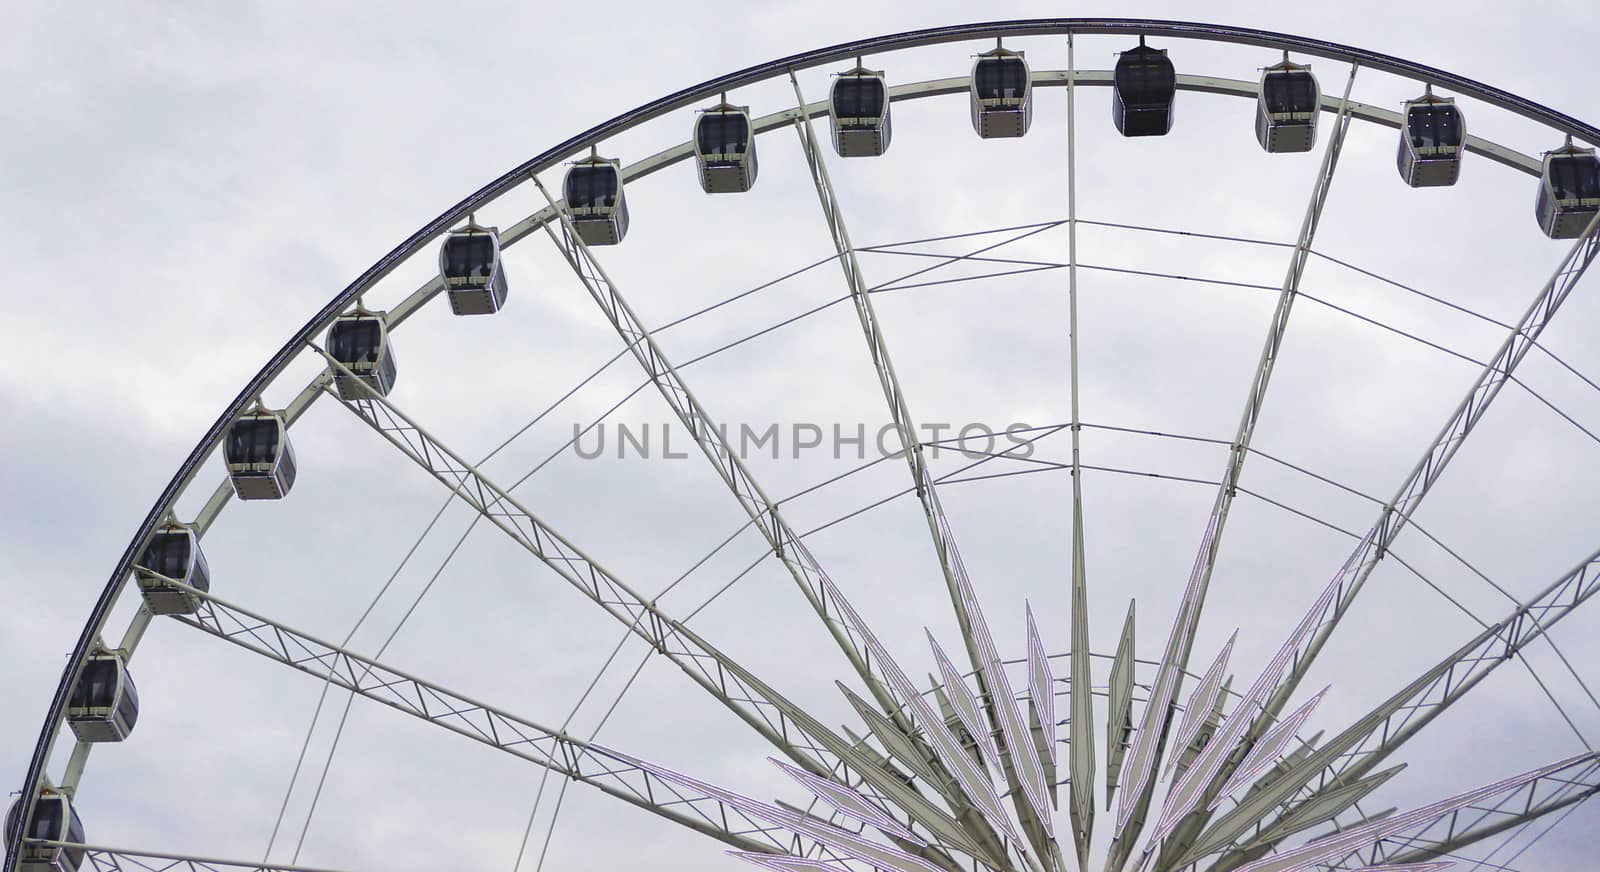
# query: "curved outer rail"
1560,122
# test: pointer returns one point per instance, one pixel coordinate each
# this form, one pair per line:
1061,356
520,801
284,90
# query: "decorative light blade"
1289,762
1201,740
1119,708
1041,685
1042,706
1146,751
889,782
1191,788
1267,750
1017,740
967,710
1357,838
953,721
848,802
971,835
1202,700
979,790
842,840
901,747
1081,727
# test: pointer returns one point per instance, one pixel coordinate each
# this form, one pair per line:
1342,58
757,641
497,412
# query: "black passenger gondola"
593,190
360,341
173,555
469,264
725,149
858,110
1002,94
1287,108
260,458
53,820
1569,191
1145,86
1432,141
104,705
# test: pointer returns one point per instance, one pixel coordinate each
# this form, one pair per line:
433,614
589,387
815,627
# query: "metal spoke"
1081,740
1455,677
782,723
762,511
1019,757
820,591
1449,825
1396,514
1149,744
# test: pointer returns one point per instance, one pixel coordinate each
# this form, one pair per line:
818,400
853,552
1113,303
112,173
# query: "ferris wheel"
1041,740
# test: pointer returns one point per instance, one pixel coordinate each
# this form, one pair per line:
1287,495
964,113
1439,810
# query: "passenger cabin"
360,342
173,554
473,275
1431,142
858,110
259,456
1569,191
104,705
1002,94
725,149
53,820
1144,88
599,210
1287,108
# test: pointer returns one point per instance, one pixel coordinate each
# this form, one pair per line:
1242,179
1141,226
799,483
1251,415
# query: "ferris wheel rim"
1531,110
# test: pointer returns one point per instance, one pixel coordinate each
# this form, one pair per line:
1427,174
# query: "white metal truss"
670,156
1448,824
759,706
1396,514
1019,757
1149,743
713,443
786,726
595,765
1395,722
819,589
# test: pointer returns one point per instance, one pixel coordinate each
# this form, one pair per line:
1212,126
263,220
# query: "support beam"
782,723
1150,743
1403,718
712,440
1396,514
1019,757
761,509
589,763
1449,824
1080,744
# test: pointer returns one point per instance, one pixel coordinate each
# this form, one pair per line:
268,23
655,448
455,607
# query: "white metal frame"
791,729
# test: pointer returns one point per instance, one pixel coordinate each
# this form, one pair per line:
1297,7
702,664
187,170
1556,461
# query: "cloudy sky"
184,188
